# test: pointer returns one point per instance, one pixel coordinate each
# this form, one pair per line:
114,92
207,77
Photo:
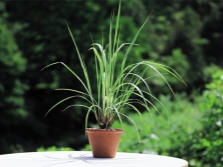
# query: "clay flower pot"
104,142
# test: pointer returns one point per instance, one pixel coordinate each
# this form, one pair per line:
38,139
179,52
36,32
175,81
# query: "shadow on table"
88,159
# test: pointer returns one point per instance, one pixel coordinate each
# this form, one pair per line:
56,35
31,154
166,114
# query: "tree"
12,87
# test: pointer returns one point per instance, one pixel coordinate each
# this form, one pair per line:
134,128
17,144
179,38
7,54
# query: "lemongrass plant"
115,84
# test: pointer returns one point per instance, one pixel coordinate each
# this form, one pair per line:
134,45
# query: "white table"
85,159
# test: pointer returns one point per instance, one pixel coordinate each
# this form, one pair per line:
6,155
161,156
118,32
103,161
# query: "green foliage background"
186,35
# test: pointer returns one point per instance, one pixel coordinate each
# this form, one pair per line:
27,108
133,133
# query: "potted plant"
116,86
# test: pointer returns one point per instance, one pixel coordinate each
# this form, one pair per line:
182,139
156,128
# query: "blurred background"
186,35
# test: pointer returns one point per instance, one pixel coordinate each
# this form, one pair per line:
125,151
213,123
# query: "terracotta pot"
104,142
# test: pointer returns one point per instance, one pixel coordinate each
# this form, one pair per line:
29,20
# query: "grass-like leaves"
118,87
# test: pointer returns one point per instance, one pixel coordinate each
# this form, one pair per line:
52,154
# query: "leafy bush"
194,132
206,147
54,148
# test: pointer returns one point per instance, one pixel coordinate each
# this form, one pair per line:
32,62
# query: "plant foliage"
115,84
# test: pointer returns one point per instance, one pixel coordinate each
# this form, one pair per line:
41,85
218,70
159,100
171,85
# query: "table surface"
85,159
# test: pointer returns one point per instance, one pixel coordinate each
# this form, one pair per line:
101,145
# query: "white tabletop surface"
85,159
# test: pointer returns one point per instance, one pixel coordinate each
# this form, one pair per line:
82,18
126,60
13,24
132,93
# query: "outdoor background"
185,34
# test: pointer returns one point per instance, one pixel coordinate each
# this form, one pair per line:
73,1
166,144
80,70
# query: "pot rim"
104,130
